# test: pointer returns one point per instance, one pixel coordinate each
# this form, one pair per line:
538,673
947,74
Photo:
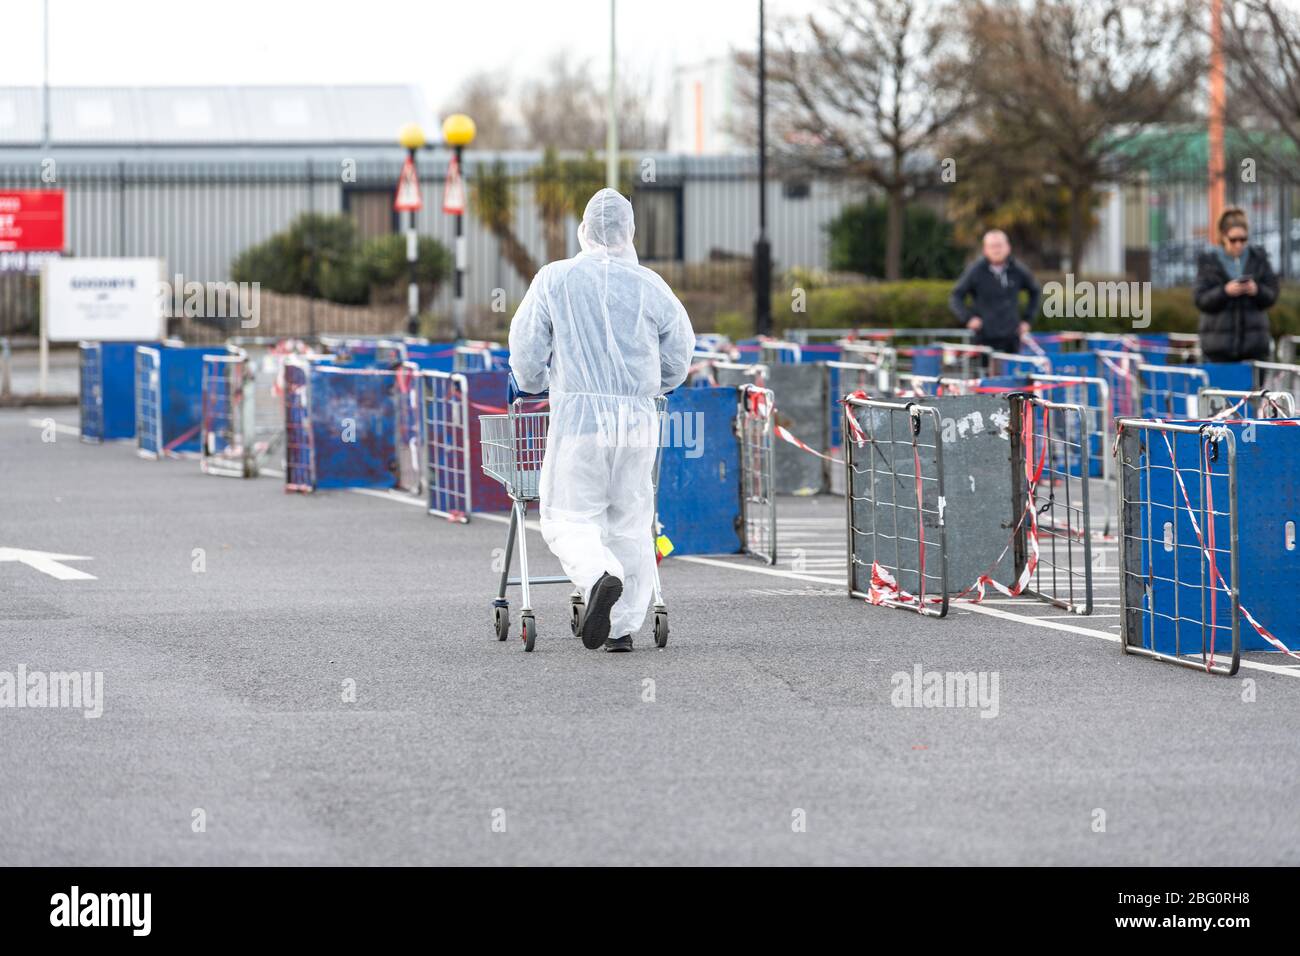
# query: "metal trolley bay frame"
514,447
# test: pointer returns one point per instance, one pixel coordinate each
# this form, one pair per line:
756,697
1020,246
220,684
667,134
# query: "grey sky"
432,44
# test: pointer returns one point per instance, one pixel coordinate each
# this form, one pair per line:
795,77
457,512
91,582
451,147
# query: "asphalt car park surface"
314,678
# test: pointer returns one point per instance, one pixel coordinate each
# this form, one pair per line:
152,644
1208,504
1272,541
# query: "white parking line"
742,565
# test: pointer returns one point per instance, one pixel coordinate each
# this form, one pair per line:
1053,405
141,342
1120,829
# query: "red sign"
453,191
31,220
408,189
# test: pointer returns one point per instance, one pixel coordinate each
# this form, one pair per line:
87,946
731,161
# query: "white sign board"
102,300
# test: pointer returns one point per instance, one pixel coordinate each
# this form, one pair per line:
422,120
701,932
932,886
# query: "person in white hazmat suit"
606,336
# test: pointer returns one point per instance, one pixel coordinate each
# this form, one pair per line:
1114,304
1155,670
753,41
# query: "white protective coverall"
607,336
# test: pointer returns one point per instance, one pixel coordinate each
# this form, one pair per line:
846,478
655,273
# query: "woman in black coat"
1234,286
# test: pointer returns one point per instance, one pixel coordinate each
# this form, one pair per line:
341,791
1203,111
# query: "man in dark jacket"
994,282
1232,291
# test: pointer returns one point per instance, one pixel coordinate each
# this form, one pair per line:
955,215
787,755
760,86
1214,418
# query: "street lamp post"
412,137
762,248
458,132
611,111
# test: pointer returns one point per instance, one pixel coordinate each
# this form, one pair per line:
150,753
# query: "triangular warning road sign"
408,189
453,193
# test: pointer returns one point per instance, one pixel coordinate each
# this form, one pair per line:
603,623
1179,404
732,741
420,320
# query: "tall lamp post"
762,248
457,132
411,137
1216,196
611,110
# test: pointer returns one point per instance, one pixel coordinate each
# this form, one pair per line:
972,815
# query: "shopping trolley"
514,446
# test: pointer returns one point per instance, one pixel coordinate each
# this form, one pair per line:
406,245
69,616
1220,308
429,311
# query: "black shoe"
617,644
595,623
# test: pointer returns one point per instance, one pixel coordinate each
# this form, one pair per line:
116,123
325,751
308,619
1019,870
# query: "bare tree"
482,96
1075,82
1261,41
863,90
564,109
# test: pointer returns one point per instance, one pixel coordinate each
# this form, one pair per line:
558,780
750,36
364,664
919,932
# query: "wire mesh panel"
1120,370
299,452
1278,377
754,428
1050,465
947,359
843,378
774,352
1092,394
883,357
911,385
91,402
1041,343
475,357
740,373
1172,348
1231,403
148,401
227,416
1014,364
1178,543
447,444
1170,391
266,357
701,368
410,431
363,352
965,361
896,534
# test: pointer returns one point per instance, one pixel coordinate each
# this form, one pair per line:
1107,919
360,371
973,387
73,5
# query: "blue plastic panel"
487,395
820,352
928,362
433,356
699,479
1268,572
1082,364
1170,393
1234,376
365,353
354,428
1025,366
108,390
176,398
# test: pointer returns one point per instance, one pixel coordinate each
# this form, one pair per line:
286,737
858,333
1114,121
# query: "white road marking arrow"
49,563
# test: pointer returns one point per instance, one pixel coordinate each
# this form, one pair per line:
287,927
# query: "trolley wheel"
661,628
576,608
501,621
528,631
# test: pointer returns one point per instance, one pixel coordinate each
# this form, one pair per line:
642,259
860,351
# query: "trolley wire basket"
514,445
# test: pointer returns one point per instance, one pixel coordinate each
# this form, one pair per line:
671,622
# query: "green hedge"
924,304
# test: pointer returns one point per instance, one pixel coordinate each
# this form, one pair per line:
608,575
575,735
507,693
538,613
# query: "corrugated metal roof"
211,115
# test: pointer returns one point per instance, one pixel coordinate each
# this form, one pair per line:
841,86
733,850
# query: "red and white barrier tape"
784,434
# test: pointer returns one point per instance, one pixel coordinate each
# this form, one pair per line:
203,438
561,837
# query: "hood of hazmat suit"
607,336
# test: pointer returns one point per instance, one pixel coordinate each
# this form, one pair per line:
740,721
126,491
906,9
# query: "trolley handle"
514,392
